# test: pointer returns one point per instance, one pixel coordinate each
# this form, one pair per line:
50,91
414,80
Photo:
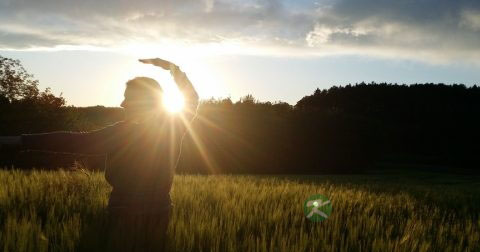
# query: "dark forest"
343,129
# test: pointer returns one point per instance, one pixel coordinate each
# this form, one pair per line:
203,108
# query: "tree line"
342,129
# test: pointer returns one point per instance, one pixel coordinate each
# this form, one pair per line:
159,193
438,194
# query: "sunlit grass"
62,211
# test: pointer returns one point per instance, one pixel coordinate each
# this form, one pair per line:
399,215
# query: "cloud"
435,29
432,30
471,20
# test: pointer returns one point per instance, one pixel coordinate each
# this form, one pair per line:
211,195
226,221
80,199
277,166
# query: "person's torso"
141,169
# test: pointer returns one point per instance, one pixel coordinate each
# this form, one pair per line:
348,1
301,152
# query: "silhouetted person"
142,152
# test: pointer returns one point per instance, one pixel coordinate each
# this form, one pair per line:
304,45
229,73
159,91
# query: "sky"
275,50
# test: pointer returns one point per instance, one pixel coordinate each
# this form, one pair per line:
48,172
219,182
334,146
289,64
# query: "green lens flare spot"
317,208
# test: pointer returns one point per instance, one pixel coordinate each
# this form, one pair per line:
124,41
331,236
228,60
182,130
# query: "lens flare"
173,102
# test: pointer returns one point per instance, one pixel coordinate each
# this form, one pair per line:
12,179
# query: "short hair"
147,88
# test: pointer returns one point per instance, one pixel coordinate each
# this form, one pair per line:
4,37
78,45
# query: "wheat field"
66,211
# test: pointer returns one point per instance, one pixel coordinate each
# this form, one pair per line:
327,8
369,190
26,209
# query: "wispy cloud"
433,30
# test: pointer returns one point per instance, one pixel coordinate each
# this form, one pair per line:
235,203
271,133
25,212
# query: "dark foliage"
419,123
338,130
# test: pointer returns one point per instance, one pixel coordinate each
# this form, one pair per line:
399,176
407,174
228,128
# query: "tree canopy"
16,84
341,129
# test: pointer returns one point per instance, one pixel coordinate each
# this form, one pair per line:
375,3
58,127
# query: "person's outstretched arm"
94,142
11,140
189,93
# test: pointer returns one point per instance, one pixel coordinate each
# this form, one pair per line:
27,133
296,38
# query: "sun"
173,102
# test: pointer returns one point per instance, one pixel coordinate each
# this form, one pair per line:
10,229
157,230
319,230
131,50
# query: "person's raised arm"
94,142
189,93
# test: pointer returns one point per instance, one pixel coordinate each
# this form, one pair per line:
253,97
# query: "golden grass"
65,211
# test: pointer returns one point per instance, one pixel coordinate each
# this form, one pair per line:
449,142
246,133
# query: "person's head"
143,99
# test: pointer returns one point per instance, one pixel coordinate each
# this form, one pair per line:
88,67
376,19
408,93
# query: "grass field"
65,211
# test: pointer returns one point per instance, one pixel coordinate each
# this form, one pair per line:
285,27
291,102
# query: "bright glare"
194,60
173,102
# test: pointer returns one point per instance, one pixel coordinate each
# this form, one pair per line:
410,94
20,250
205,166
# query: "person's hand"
165,64
10,140
10,144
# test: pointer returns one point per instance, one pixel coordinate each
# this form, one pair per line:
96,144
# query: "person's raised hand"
165,64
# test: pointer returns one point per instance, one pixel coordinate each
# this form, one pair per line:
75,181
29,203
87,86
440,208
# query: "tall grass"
65,211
